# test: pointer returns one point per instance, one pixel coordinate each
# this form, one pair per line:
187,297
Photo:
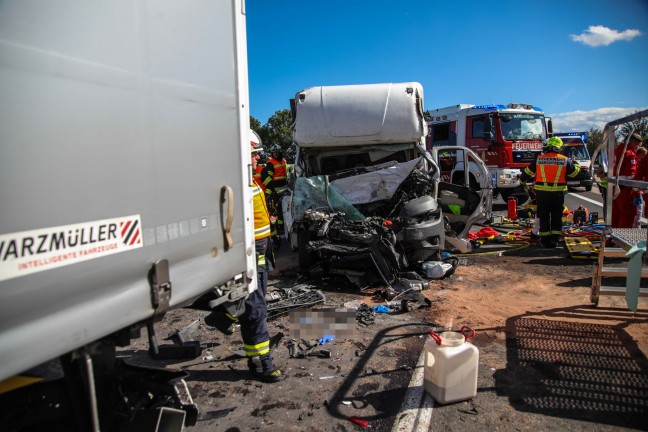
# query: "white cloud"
578,121
600,35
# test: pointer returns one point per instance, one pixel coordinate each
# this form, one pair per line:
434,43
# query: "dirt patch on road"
487,290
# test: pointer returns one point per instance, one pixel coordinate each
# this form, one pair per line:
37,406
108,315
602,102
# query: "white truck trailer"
124,191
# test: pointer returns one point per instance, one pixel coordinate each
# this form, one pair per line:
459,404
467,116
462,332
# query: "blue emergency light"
582,135
490,107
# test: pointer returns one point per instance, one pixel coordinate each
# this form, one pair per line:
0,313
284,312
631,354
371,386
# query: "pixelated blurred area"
322,322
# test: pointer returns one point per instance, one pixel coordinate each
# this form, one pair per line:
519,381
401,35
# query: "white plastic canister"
451,366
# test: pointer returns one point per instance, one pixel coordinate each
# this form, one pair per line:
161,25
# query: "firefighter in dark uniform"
253,321
275,181
550,171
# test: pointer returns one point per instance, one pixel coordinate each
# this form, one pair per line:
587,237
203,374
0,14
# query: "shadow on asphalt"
576,370
360,387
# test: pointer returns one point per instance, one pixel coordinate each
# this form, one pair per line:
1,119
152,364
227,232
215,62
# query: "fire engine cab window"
478,128
441,134
522,127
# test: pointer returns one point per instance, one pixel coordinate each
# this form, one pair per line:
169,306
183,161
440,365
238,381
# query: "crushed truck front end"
364,178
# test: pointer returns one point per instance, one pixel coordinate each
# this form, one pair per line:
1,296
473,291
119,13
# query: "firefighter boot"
545,242
218,318
262,368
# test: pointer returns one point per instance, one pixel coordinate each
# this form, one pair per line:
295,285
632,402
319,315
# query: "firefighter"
253,321
550,171
275,181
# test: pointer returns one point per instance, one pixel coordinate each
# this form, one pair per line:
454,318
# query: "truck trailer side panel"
120,124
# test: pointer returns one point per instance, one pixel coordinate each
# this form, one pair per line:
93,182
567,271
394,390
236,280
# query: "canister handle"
467,333
436,337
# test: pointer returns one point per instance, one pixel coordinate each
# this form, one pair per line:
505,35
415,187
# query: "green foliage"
277,131
255,124
594,139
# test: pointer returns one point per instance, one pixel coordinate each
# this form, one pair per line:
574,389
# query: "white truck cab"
361,156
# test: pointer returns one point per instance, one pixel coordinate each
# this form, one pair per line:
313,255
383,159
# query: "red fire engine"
507,138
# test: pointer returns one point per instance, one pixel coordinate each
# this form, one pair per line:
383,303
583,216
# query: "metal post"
92,391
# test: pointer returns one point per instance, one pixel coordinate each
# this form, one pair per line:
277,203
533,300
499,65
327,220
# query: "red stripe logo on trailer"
130,232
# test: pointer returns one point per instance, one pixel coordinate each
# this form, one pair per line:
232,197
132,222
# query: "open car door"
464,199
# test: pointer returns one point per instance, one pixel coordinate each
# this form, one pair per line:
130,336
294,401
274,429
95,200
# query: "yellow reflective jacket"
550,171
261,218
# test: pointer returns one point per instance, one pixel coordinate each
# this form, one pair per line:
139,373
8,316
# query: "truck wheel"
588,188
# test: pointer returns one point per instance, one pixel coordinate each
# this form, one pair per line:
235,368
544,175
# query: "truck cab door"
464,199
479,133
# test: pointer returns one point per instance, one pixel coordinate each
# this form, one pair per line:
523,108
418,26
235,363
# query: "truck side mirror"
293,110
549,127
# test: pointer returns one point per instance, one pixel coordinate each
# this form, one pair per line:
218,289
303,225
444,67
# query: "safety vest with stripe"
261,218
276,174
257,176
279,169
551,172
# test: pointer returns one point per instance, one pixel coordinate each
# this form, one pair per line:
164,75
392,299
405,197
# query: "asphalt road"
592,200
573,199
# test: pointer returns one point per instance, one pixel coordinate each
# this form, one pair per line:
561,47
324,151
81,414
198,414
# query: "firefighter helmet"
255,142
554,142
276,151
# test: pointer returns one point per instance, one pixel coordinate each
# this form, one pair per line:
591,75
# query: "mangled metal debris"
295,297
303,348
365,315
402,233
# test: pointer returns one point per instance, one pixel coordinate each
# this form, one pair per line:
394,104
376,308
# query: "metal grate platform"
628,237
576,370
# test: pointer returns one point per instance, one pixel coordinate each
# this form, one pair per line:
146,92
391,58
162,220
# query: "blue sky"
583,62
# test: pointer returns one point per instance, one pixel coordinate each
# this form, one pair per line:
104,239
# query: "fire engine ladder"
623,238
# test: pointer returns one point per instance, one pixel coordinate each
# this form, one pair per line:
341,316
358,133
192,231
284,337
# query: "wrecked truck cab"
364,200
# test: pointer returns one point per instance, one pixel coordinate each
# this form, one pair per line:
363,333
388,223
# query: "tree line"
276,132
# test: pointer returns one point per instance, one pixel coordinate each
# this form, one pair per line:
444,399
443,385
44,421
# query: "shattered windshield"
522,127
